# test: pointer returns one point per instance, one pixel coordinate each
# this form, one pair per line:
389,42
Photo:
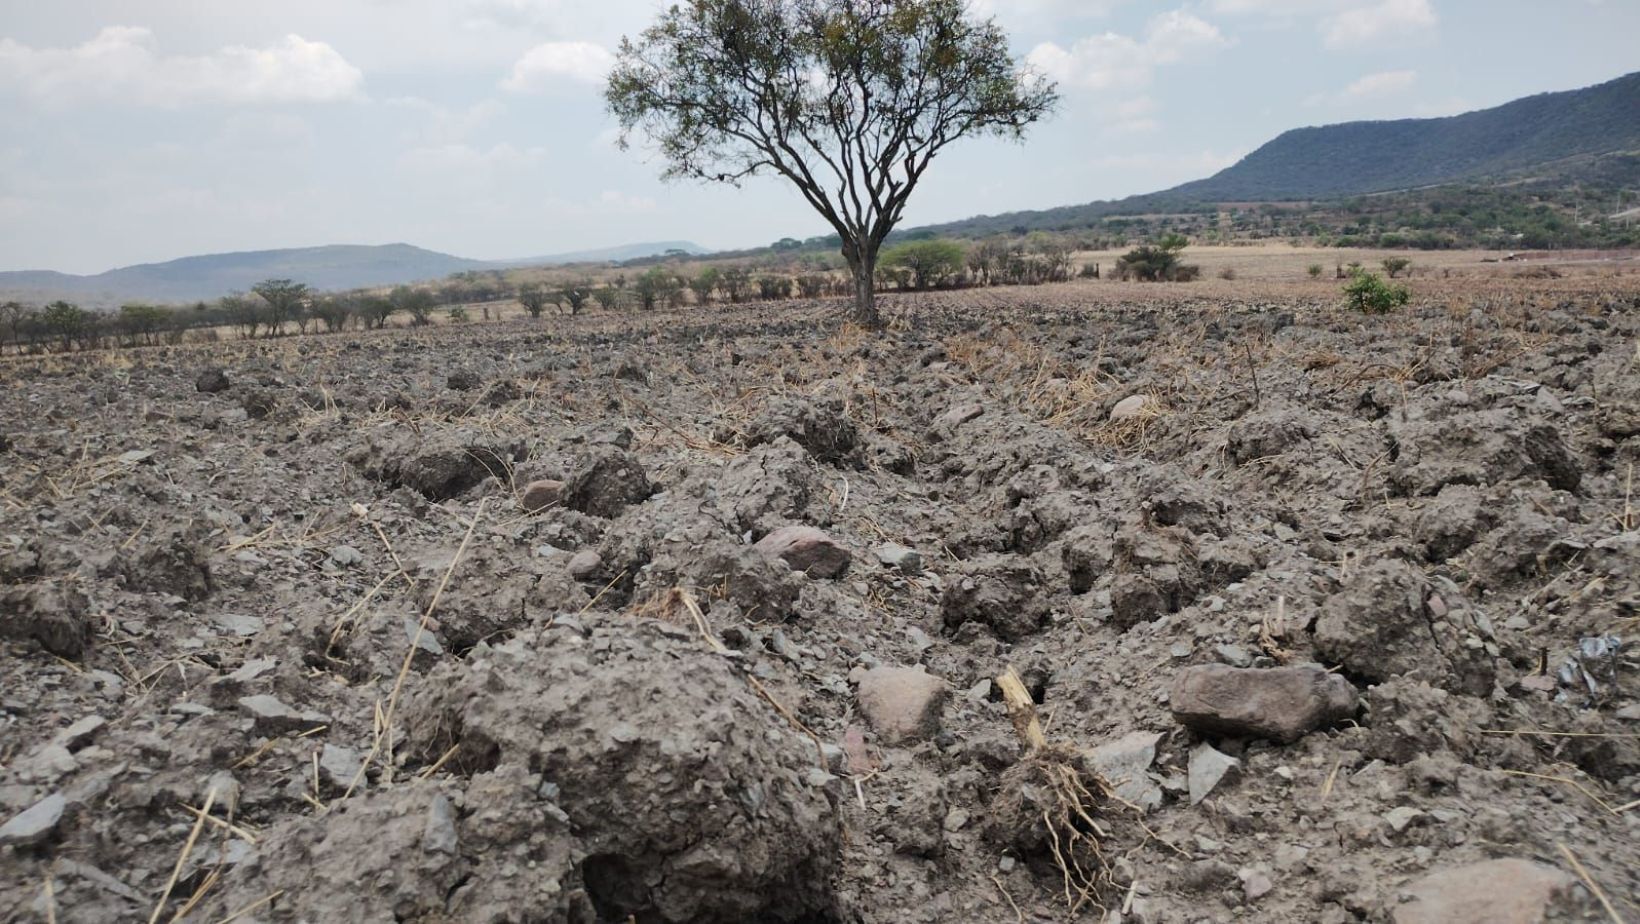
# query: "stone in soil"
273,717
1207,769
1507,891
541,495
902,704
211,381
54,616
1281,703
34,824
893,555
1131,407
806,549
1125,765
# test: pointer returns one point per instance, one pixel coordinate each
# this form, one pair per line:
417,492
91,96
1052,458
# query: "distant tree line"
283,307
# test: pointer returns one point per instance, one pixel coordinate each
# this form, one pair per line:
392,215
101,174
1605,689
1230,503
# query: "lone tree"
849,100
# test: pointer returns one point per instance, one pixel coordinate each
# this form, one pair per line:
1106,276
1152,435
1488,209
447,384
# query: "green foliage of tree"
655,286
931,263
16,316
773,288
533,296
1395,266
1315,271
67,323
376,310
848,100
286,301
607,297
736,283
576,294
142,324
418,303
333,311
705,284
1369,293
1157,262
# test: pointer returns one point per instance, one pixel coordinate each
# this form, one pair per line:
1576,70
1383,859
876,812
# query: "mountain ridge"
327,267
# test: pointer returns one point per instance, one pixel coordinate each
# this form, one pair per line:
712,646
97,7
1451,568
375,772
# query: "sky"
144,130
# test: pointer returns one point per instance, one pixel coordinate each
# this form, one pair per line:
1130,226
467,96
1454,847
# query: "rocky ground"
704,616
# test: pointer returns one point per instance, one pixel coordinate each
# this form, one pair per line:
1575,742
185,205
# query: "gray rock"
901,703
273,717
806,549
542,495
1507,891
1281,704
345,556
238,625
339,765
439,836
1208,768
75,736
1131,407
584,564
893,555
1125,765
34,824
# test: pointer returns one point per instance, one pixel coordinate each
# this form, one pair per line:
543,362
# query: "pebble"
584,564
542,494
1125,765
901,703
273,717
806,549
1208,768
339,765
1132,406
345,556
439,834
34,824
894,555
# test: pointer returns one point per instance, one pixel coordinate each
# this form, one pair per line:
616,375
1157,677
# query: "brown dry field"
286,643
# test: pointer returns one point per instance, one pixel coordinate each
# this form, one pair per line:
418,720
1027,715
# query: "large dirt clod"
606,482
691,797
1390,621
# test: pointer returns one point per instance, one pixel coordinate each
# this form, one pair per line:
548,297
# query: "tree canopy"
848,100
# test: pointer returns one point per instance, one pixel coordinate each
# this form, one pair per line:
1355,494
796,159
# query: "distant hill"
1369,157
342,266
1536,143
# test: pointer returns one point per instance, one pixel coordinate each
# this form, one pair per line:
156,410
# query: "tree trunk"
864,267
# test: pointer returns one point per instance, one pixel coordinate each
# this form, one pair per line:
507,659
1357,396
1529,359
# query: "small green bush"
1369,293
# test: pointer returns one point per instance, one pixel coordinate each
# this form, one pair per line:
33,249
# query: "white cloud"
1111,61
1271,7
1383,83
1136,116
122,64
551,62
1361,25
1368,87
